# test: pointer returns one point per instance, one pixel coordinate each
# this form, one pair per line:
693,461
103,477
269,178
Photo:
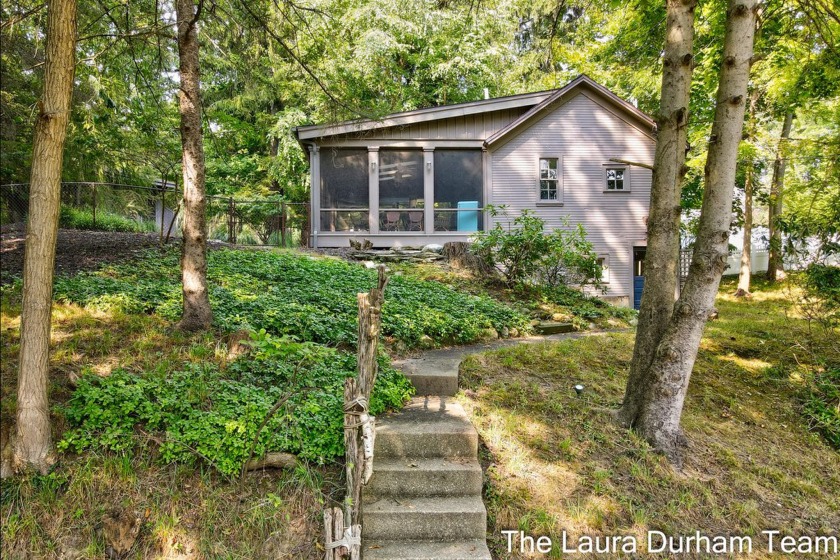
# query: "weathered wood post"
358,426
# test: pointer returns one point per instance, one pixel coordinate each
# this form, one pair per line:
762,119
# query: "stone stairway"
423,501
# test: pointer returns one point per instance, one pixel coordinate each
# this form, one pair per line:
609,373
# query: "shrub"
523,252
76,218
822,405
821,294
514,251
204,413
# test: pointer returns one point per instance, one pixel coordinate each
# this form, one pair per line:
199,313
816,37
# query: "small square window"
615,178
549,179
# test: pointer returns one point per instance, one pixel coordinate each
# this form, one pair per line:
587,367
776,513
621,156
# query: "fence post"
94,205
231,225
359,461
162,210
283,224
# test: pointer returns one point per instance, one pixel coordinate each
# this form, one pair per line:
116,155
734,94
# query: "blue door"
638,275
638,286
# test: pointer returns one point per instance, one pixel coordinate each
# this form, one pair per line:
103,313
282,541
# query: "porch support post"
314,194
428,190
373,188
487,186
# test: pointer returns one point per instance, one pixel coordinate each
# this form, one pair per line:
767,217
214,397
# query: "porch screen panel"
401,190
459,190
344,189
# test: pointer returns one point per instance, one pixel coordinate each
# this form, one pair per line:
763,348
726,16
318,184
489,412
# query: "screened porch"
405,191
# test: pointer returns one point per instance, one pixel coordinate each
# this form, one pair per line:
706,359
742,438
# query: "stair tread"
471,549
436,504
420,464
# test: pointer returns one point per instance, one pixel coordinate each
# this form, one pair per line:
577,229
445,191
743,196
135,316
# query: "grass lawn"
555,462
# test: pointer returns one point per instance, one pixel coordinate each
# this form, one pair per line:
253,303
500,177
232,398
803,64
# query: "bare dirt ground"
76,249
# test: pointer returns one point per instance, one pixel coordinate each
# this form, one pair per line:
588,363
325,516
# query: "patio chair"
392,221
415,221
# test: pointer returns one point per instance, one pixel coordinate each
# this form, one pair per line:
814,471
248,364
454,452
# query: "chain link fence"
157,209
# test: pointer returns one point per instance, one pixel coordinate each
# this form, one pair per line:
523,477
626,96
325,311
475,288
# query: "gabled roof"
582,83
539,103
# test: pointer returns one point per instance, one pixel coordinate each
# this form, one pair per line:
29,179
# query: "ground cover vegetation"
301,313
187,505
306,297
762,454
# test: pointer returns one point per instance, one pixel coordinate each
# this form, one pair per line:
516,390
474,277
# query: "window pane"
615,179
401,220
459,184
344,178
400,179
344,220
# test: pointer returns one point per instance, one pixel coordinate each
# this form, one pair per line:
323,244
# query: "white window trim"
625,169
605,268
560,176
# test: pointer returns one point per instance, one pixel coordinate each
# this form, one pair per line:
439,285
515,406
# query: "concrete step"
433,373
474,549
434,382
425,519
407,477
427,427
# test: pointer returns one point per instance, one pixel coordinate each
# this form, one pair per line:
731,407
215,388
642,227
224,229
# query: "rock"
369,264
505,332
535,322
514,333
427,341
400,347
120,530
489,332
433,248
559,317
552,327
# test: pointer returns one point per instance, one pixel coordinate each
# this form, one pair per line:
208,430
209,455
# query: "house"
426,176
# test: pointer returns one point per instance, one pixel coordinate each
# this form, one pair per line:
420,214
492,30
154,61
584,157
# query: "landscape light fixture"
578,389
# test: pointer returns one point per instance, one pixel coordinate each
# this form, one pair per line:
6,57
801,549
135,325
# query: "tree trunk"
775,266
667,381
663,236
33,439
745,273
197,314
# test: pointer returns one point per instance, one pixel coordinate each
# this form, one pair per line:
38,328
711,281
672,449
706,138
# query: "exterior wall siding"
585,135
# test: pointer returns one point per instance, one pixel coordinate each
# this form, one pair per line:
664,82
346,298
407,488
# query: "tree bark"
33,447
197,313
663,235
775,266
670,371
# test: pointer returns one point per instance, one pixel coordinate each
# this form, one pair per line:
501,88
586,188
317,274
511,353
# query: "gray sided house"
427,176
